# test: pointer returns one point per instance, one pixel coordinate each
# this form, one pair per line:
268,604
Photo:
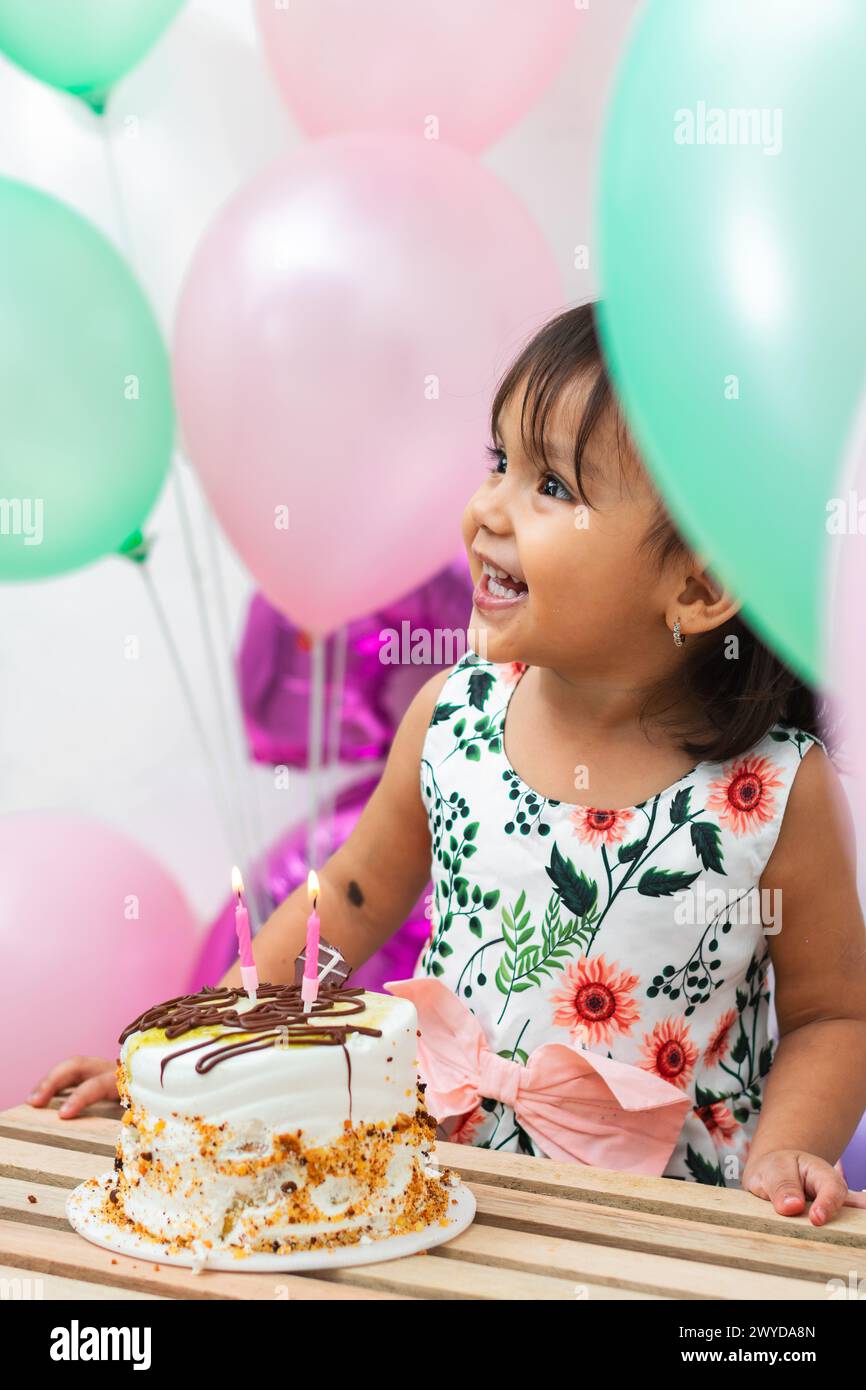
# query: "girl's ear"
702,602
709,606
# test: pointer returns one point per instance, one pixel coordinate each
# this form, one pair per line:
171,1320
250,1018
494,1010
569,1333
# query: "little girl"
609,669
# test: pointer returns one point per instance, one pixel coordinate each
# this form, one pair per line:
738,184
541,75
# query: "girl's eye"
563,494
500,461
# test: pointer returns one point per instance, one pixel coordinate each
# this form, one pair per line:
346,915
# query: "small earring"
678,637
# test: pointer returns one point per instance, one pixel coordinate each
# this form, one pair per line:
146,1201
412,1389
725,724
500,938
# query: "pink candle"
310,981
249,975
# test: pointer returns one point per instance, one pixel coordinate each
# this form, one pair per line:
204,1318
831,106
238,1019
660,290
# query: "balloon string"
189,698
335,719
216,681
239,831
315,745
116,195
260,884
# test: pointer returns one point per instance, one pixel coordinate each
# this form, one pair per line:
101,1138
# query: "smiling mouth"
501,583
497,589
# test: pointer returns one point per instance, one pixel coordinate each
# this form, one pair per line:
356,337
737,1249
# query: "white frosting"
287,1088
249,1099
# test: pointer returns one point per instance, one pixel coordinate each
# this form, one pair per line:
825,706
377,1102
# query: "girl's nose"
488,508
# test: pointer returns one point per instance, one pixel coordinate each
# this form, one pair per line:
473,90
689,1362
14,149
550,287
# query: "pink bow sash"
576,1105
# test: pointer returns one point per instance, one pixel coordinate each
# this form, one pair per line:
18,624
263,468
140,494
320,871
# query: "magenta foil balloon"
274,669
286,867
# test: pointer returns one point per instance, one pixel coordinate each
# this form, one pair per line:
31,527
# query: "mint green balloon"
82,46
733,269
85,391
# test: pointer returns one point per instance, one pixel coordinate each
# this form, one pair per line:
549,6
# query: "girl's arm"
370,884
816,1090
367,889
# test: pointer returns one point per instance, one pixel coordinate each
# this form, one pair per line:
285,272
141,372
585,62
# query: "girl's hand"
789,1177
93,1078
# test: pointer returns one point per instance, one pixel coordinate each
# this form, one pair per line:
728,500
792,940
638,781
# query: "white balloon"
182,131
187,127
52,141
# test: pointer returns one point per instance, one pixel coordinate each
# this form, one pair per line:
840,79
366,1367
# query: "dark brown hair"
741,699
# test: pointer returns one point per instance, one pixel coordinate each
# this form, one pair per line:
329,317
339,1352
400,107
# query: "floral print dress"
638,933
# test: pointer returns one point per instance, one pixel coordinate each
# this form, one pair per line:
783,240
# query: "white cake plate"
82,1208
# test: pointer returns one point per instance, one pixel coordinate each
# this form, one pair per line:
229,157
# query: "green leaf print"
578,892
441,713
480,685
661,883
706,838
800,739
741,1064
765,1059
456,895
528,808
702,1170
524,960
626,853
524,1143
680,806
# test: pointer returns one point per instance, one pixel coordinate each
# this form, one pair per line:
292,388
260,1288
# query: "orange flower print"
717,1047
669,1052
511,671
719,1121
595,1000
743,796
592,826
467,1126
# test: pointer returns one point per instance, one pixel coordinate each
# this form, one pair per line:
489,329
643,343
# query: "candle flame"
312,886
237,881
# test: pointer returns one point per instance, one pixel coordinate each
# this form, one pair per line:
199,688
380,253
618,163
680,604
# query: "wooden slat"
788,1256
52,1287
631,1237
49,1211
722,1206
425,1276
642,1273
36,1248
49,1208
545,1230
106,1109
42,1163
87,1133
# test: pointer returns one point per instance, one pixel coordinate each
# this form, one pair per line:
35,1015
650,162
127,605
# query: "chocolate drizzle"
278,1015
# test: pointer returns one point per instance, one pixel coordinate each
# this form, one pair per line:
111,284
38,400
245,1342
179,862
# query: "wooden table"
544,1230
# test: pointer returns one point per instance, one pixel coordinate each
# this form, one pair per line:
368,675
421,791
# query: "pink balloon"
844,656
284,867
338,338
92,932
844,660
474,66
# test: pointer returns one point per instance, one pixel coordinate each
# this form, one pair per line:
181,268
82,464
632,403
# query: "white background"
83,728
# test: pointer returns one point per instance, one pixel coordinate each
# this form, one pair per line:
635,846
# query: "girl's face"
580,597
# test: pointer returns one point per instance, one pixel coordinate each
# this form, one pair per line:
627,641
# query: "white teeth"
497,589
498,574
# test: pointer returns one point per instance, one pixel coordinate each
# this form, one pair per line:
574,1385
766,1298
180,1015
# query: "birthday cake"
259,1126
